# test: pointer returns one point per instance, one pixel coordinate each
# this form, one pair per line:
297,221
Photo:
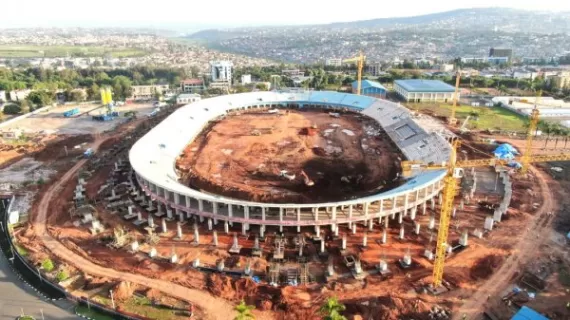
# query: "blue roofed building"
526,313
370,88
418,90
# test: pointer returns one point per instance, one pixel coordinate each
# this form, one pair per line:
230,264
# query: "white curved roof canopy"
153,156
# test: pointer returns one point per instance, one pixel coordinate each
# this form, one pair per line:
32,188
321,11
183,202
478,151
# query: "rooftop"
192,81
368,84
526,313
419,85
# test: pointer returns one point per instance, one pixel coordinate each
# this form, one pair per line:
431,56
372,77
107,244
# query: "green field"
15,51
494,118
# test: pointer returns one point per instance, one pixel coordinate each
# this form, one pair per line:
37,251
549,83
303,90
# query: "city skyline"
191,17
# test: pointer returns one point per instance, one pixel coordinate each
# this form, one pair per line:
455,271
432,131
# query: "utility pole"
112,299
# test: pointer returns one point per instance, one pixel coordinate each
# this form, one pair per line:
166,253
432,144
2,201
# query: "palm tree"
332,309
244,311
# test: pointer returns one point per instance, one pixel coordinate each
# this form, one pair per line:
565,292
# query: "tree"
244,311
40,98
77,95
94,92
12,109
122,87
332,309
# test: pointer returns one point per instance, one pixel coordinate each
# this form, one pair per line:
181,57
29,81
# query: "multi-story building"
560,81
333,62
417,90
375,69
499,53
221,71
293,73
2,96
192,85
147,92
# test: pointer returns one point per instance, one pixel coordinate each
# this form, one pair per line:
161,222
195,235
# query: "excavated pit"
263,156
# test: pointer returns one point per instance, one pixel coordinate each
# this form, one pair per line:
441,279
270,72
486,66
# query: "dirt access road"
525,250
214,308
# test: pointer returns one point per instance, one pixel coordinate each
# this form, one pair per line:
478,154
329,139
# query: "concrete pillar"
226,227
200,205
323,246
417,228
196,235
230,210
354,229
179,230
215,238
440,198
431,224
349,211
334,213
209,224
298,229
432,203
243,229
281,217
424,207
263,213
281,228
317,231
453,212
381,207
386,221
180,216
370,225
365,240
214,207
262,231
413,212
401,232
464,238
343,242
176,198
462,204
400,218
384,235
164,229
366,205
187,200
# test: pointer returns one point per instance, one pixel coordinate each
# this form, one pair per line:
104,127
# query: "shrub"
47,265
21,251
12,109
62,276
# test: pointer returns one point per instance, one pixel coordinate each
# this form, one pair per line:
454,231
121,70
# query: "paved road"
15,295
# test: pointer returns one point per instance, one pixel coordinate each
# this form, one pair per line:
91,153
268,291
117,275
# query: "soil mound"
124,290
485,266
221,286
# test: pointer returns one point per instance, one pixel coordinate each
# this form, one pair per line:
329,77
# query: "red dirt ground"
242,156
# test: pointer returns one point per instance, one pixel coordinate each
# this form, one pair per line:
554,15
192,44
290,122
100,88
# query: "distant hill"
479,19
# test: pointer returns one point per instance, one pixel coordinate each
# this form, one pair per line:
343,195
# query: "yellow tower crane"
533,124
452,120
359,65
454,170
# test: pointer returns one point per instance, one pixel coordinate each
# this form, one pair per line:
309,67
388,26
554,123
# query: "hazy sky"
211,13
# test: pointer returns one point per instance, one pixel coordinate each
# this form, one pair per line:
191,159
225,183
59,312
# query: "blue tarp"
505,151
526,313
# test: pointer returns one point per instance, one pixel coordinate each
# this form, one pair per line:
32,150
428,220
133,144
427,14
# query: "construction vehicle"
454,170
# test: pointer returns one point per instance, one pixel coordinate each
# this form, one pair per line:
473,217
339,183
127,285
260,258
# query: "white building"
245,79
417,90
334,62
446,67
186,98
2,96
147,92
221,71
19,95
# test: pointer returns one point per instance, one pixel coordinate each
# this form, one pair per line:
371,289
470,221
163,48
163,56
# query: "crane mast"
449,190
534,117
360,65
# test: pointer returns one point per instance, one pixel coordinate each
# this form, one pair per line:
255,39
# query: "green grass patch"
21,250
16,51
62,276
494,118
26,318
90,313
47,265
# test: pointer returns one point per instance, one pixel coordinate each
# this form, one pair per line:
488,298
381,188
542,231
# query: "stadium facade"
153,159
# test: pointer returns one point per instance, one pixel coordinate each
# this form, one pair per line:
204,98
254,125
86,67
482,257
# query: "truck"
71,112
88,153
